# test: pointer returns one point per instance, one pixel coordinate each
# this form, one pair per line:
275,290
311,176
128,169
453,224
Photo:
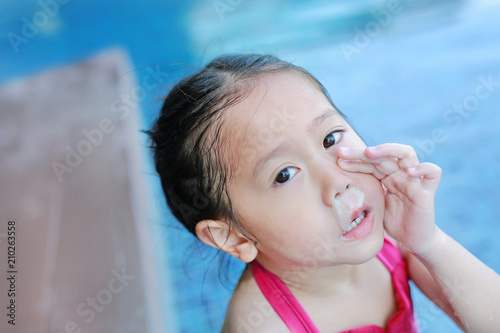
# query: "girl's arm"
424,280
466,289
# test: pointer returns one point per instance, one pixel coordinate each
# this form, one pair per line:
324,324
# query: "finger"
358,154
405,154
362,167
378,153
387,166
352,153
427,171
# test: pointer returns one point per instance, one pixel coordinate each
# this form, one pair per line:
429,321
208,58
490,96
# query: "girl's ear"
218,234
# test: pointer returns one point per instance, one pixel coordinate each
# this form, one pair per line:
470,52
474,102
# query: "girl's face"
287,188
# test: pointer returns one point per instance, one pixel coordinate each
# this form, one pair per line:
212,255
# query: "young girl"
256,161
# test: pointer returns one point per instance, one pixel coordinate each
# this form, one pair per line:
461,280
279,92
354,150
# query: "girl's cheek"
379,191
371,182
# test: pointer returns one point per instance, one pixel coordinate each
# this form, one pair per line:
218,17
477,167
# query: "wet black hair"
186,138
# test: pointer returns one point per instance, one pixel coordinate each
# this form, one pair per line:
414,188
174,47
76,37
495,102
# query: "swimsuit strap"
390,255
297,320
282,300
403,320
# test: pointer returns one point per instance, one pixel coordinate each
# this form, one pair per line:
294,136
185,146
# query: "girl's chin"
367,248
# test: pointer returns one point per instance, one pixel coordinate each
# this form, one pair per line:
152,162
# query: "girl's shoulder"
249,311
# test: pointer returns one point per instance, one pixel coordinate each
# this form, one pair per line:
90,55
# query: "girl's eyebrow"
321,118
284,146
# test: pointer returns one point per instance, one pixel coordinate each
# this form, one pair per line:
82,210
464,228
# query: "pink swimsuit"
297,320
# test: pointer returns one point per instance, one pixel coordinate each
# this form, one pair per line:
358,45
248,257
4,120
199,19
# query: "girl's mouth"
355,222
359,227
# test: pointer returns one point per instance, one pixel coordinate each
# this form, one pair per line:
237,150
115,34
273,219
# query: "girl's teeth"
355,223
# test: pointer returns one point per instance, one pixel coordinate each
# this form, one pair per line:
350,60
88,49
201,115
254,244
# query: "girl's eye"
331,139
285,175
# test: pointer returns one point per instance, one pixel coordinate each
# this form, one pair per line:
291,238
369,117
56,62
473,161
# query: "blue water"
403,84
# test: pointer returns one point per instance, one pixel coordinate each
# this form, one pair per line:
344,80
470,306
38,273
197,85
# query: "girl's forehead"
279,98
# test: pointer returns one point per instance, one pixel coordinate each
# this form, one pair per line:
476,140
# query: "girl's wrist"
433,244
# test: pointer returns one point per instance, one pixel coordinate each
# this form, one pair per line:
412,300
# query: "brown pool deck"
71,179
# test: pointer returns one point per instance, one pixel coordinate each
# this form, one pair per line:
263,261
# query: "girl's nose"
333,181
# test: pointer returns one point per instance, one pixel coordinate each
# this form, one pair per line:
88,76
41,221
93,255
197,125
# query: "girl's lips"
357,213
361,229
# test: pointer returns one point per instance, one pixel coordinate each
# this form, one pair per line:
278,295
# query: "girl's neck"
323,281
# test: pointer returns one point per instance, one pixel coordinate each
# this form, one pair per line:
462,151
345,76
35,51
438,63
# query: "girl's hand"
409,188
